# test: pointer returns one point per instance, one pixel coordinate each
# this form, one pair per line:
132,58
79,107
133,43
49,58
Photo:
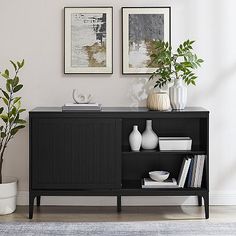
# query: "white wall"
33,30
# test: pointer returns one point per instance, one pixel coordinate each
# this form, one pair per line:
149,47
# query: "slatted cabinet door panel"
76,153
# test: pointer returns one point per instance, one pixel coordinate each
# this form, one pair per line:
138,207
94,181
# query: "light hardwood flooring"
108,214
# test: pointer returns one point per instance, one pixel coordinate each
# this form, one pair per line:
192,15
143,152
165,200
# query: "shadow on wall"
139,90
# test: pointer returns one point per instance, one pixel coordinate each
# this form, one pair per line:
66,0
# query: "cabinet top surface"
119,109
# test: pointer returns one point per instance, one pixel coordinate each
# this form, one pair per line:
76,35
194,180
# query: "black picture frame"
137,71
67,58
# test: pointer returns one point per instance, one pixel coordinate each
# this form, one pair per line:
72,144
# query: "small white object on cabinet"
149,137
175,143
135,139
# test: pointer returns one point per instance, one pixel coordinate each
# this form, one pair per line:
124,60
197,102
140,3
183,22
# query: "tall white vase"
178,95
135,139
149,138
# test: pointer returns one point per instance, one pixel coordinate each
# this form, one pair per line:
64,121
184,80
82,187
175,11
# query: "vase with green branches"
10,109
175,66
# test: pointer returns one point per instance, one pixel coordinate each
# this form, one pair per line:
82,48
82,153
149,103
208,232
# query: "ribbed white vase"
135,139
178,95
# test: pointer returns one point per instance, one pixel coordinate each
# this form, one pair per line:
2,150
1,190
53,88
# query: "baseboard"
217,198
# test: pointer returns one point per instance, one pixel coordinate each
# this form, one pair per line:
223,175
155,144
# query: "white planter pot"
178,95
8,192
158,101
149,137
135,139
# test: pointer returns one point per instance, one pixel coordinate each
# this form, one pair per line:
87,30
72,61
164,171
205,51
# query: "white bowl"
159,175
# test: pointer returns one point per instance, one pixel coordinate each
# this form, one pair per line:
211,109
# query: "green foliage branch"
10,109
174,65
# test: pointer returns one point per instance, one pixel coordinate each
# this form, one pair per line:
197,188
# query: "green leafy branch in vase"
11,110
178,65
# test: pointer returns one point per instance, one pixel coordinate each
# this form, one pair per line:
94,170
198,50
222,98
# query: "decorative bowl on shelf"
159,175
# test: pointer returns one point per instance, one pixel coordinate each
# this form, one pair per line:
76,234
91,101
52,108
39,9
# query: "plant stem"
1,161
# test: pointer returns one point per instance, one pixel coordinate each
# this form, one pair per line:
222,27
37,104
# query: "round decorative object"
178,95
159,175
8,192
135,139
149,138
81,98
158,101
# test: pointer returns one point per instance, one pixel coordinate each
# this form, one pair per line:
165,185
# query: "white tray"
175,143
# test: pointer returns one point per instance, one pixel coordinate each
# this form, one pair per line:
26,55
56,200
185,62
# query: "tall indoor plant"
11,123
178,66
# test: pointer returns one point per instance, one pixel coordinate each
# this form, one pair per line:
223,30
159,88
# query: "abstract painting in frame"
141,28
88,40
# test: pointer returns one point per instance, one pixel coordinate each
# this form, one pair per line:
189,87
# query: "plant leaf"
5,101
21,110
17,88
15,81
21,121
14,65
3,135
16,129
5,94
16,99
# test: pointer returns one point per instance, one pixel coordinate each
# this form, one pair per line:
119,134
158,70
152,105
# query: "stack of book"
191,171
169,183
70,107
190,175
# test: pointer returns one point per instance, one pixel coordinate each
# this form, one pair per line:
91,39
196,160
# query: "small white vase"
8,192
158,101
149,137
135,139
178,95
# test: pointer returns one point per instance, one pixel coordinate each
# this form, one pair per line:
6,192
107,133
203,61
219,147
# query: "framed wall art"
88,40
141,28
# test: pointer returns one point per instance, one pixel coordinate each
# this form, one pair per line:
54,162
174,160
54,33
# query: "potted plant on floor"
11,123
177,67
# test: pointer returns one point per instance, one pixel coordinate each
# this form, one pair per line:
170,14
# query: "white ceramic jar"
158,101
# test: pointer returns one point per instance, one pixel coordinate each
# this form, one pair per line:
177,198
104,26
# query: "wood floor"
93,214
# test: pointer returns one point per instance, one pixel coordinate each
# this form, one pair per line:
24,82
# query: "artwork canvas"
88,40
142,27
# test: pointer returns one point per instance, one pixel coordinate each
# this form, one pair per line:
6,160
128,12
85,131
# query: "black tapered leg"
199,200
118,203
206,204
31,206
38,200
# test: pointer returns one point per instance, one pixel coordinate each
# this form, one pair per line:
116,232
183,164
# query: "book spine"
197,171
190,173
186,169
201,171
194,170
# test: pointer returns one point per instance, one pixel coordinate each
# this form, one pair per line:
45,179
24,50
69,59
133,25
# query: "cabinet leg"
199,200
206,204
119,203
38,201
31,206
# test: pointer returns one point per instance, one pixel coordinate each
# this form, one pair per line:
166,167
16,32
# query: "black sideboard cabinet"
88,153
